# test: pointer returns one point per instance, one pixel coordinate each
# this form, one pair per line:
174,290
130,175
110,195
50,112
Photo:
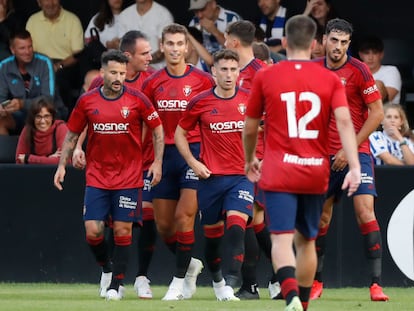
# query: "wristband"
403,143
26,159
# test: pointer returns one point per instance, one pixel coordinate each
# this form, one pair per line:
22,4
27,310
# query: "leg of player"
146,246
317,286
283,257
97,244
370,230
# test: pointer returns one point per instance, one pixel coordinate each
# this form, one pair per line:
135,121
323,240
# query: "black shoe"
279,296
245,294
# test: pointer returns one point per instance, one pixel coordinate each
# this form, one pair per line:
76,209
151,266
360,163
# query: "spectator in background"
371,52
272,22
197,54
106,21
260,36
42,138
321,11
393,145
24,76
262,52
10,22
212,20
58,34
149,17
318,49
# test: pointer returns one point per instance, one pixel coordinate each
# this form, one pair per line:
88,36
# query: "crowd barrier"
42,237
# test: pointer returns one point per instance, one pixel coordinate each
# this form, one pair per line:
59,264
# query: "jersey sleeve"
255,102
77,120
190,117
149,114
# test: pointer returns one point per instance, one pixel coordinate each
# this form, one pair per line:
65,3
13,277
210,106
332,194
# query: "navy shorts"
176,174
286,212
218,194
367,185
259,196
121,205
146,190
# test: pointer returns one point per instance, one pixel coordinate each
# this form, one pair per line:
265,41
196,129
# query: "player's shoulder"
198,72
152,77
359,67
204,96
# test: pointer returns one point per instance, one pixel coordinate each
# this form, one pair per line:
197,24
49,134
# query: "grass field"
73,297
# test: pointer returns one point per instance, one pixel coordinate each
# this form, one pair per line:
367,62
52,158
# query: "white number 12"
297,129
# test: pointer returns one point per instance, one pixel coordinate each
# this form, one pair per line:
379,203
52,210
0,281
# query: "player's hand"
252,170
393,132
59,177
201,170
155,170
78,159
340,161
352,181
57,154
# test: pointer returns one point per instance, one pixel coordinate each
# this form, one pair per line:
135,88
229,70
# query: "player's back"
298,98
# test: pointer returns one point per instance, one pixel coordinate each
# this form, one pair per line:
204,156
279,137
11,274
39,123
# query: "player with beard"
175,198
365,105
114,115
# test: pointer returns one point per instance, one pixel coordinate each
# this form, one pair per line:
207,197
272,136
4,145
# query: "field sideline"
74,297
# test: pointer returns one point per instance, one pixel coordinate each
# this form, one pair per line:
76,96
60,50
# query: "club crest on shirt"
125,112
242,108
343,80
187,90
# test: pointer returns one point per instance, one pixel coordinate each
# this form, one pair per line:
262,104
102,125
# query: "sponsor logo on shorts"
190,175
127,202
366,179
245,195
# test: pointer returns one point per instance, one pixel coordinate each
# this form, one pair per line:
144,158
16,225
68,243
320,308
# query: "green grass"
73,297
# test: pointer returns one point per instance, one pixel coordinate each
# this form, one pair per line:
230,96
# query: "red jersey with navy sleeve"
114,149
361,90
221,122
298,98
245,81
171,94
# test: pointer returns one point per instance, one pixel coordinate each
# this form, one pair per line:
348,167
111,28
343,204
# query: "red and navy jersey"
171,94
114,149
221,122
361,90
298,98
245,80
247,73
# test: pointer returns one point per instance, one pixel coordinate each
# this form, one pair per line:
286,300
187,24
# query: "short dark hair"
371,42
113,55
261,51
338,24
19,34
225,54
129,39
173,29
244,30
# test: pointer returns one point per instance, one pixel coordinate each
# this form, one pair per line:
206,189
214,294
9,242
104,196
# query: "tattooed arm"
156,167
68,146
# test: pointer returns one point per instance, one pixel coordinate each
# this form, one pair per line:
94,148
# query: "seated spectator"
150,18
23,77
58,34
197,54
371,52
262,52
259,36
10,23
393,145
89,77
321,11
106,21
318,50
212,20
272,21
42,138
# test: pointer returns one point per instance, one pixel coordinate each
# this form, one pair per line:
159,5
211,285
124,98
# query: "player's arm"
155,170
251,128
67,149
348,139
375,116
181,142
78,156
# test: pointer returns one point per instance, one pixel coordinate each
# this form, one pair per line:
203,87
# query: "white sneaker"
175,290
224,292
104,283
113,294
142,287
190,279
121,291
274,289
295,305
